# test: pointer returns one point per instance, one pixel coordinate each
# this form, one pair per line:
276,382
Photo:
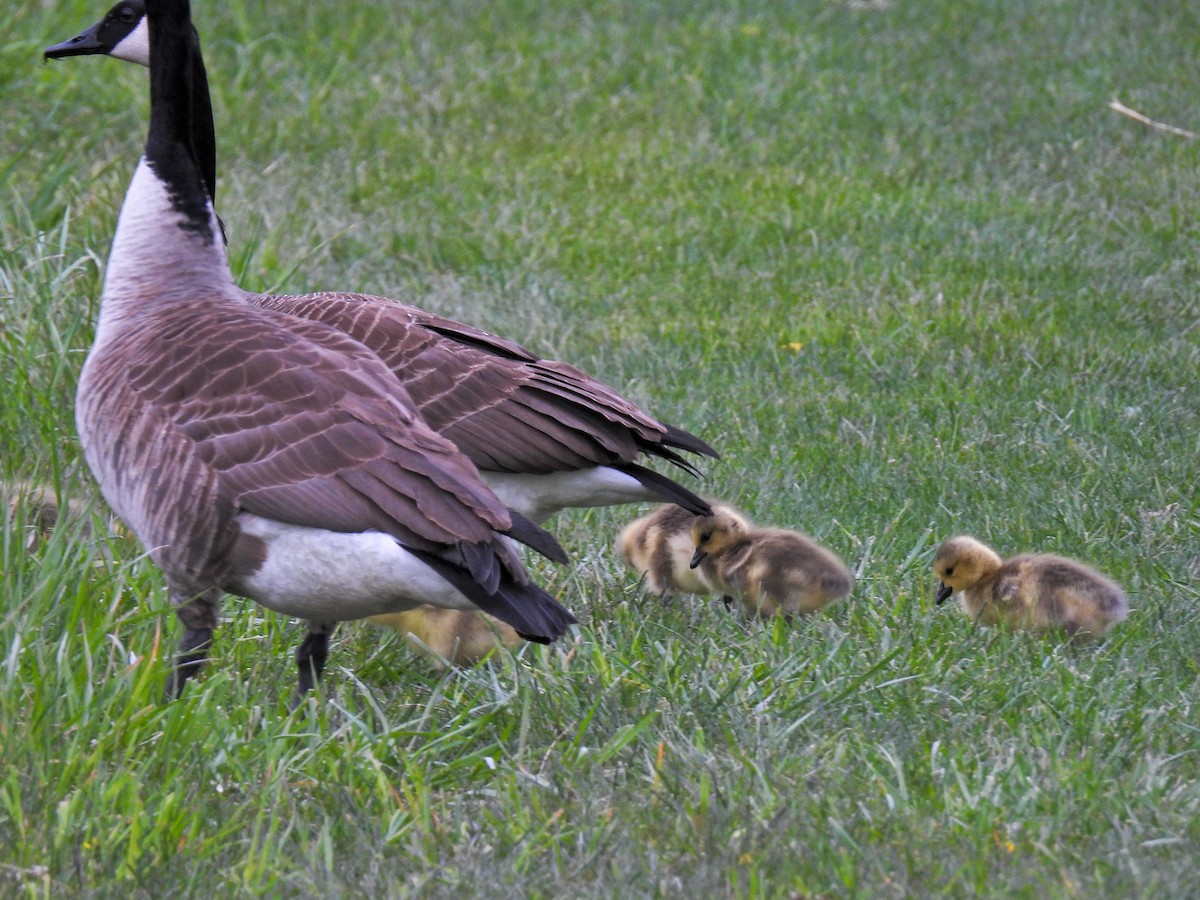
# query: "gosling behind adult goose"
770,571
545,435
1037,591
261,454
450,636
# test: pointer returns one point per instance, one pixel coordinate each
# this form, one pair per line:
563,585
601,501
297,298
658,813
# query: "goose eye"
126,14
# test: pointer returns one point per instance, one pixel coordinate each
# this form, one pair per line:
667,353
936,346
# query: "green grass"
898,261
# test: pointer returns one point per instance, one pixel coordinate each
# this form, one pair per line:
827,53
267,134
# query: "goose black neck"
204,136
176,73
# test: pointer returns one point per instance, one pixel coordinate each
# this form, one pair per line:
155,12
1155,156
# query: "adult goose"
262,454
545,435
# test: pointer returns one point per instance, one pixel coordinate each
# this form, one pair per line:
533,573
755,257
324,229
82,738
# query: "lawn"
898,261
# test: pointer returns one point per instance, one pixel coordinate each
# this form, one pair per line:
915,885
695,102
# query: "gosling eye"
706,537
949,570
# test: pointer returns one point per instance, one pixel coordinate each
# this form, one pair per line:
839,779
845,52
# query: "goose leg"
199,618
311,656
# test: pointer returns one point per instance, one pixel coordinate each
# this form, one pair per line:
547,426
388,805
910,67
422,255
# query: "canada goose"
768,570
658,546
452,636
262,454
1039,592
544,435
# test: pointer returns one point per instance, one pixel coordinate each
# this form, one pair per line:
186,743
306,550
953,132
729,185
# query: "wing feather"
318,433
504,407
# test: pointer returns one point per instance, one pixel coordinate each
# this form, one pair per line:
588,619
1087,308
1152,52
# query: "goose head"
961,562
122,34
713,534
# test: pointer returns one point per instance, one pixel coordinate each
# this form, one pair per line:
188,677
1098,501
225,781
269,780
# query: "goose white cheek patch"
135,47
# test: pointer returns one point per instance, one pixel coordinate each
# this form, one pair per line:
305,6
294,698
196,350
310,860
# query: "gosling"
768,570
39,509
1037,592
36,506
659,547
450,637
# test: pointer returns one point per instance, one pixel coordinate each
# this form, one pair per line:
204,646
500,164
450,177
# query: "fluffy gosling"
452,637
658,546
768,570
1038,592
35,507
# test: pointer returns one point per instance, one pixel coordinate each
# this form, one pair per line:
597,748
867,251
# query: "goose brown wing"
501,405
303,426
150,474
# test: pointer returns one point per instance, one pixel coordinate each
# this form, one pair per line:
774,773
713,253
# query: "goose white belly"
540,496
329,576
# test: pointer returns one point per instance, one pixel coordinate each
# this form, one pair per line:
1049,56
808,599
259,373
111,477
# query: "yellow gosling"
658,546
1038,592
454,636
768,570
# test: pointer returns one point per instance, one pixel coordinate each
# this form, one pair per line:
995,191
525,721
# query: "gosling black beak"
943,593
697,558
83,44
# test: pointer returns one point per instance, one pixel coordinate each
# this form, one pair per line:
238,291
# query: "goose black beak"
943,593
697,558
86,43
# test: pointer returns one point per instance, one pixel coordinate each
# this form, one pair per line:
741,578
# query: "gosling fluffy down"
1038,592
658,546
35,507
768,570
450,636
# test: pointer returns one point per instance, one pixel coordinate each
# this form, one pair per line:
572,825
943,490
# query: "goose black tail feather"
666,488
533,613
482,564
532,535
662,451
685,440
